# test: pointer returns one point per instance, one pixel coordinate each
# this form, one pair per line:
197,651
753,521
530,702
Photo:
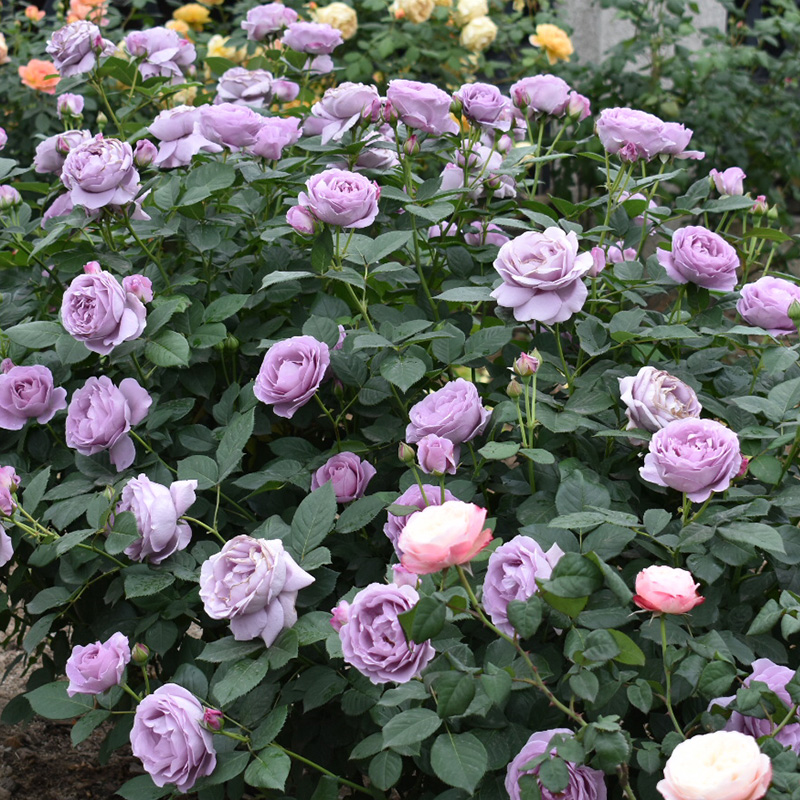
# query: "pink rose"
443,536
667,590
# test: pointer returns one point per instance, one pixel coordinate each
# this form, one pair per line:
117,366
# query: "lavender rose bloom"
481,175
654,398
163,52
341,197
636,134
374,155
245,87
253,583
99,312
100,416
176,129
765,303
422,106
270,18
541,94
316,38
76,47
341,108
487,233
702,257
512,573
9,481
158,510
541,275
437,455
695,456
776,677
729,182
484,105
169,740
291,373
96,667
348,474
274,134
69,105
301,220
100,172
52,152
232,126
27,393
454,412
372,637
412,497
585,783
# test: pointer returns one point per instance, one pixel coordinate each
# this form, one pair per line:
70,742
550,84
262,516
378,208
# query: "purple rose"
169,740
636,134
437,455
138,286
542,274
379,152
729,182
487,233
229,125
9,197
316,38
373,640
161,53
654,398
176,129
765,303
96,667
481,173
348,474
512,574
585,783
301,220
245,87
291,373
454,412
100,416
340,197
52,152
702,257
616,255
274,135
285,91
27,393
69,105
412,497
341,108
485,106
144,153
100,172
9,481
541,94
776,677
76,47
99,312
578,107
422,106
695,456
253,583
270,18
158,510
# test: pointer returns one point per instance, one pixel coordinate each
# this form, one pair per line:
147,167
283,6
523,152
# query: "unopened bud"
213,719
145,153
527,364
514,389
69,105
301,220
760,205
794,312
405,452
140,654
9,197
102,121
743,467
411,146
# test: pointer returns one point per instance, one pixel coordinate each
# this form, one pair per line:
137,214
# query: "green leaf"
269,769
229,765
228,649
224,307
766,618
459,760
554,775
284,277
425,620
754,534
52,702
35,335
641,695
313,520
168,349
360,512
410,727
241,678
146,582
236,436
142,788
371,251
454,693
266,732
52,597
537,455
206,179
385,769
202,469
466,294
655,520
84,726
496,683
525,616
34,490
629,651
499,451
716,678
402,370
71,351
574,576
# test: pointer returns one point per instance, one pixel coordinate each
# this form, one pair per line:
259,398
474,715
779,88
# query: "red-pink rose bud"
527,364
213,719
341,614
92,268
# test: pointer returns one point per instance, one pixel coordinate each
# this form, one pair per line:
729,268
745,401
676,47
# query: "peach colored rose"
40,75
34,14
726,765
666,589
4,59
443,536
555,42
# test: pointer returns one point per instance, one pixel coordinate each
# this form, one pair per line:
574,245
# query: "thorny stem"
668,678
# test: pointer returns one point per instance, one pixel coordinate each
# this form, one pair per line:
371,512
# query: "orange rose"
40,75
555,42
87,9
34,14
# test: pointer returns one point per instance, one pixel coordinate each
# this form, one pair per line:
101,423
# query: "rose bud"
213,719
9,197
527,364
514,389
405,452
140,654
666,590
301,220
145,153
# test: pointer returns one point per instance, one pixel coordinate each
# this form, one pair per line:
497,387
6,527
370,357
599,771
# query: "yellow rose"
217,47
193,14
415,11
185,97
4,59
340,16
478,34
179,26
468,10
444,3
554,41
